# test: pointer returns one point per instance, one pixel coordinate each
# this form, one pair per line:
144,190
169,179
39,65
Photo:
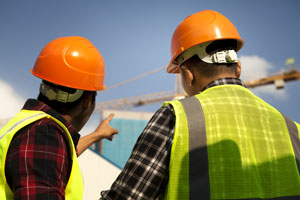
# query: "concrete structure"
98,174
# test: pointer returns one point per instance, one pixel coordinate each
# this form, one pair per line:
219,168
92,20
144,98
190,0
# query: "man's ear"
86,100
238,69
189,74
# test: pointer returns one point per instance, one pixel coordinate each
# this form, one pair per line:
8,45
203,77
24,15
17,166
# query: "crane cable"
136,78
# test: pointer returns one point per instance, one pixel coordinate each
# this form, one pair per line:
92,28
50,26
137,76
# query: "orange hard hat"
72,62
201,27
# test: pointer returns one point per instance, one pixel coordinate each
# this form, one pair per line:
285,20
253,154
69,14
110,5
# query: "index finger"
110,117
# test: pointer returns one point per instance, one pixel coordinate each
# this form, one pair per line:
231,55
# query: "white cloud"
10,101
255,67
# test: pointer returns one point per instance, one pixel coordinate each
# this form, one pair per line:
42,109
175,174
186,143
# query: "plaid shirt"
145,174
38,162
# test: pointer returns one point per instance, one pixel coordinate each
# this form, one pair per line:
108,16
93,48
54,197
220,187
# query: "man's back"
248,144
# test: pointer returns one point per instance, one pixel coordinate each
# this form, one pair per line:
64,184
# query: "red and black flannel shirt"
38,162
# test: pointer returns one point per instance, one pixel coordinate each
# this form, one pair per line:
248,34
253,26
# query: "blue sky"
134,37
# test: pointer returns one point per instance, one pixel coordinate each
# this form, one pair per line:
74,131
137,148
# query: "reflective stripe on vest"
74,188
294,135
197,149
198,156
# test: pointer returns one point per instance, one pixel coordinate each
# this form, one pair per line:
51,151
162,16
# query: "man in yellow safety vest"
222,141
40,145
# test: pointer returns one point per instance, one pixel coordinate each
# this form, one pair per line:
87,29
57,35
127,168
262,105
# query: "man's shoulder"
42,127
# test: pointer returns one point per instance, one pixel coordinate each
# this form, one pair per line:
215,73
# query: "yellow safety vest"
74,188
230,144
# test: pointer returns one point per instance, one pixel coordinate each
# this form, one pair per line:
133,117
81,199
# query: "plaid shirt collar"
32,104
225,81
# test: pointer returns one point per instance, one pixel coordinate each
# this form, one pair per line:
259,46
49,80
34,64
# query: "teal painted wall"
120,149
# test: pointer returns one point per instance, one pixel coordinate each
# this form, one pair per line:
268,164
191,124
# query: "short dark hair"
211,69
61,107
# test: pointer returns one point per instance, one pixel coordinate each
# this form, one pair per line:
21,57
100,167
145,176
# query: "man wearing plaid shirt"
40,145
221,142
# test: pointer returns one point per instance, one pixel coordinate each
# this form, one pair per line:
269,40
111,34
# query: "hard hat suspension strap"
59,95
222,56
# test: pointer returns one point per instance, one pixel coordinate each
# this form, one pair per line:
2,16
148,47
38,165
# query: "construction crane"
130,102
278,80
135,101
